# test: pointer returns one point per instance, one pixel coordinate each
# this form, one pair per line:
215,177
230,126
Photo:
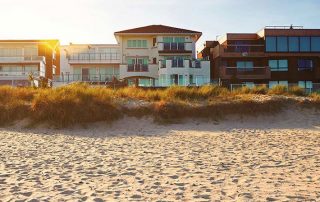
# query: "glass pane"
309,84
283,83
282,44
134,43
273,64
302,84
283,63
144,43
249,64
305,44
315,44
181,80
271,44
273,83
294,44
129,43
240,64
167,39
139,43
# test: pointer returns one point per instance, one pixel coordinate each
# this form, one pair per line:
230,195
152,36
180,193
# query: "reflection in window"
305,44
293,44
282,44
315,44
271,44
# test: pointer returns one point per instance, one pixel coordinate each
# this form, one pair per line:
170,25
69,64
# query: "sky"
95,21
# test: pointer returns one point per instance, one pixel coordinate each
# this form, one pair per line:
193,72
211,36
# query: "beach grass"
82,104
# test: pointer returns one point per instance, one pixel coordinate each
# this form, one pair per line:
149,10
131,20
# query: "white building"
20,59
98,63
162,56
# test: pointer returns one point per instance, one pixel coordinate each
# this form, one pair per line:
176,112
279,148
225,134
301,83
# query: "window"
282,44
244,65
315,44
276,83
137,44
271,44
305,44
154,60
293,44
191,79
304,64
278,65
305,84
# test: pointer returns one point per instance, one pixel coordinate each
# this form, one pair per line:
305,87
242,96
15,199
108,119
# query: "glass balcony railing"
19,73
85,78
138,68
94,56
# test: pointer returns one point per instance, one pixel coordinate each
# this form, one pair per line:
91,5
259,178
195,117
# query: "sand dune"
239,159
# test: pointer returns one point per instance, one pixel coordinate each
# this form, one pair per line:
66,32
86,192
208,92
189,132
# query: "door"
85,74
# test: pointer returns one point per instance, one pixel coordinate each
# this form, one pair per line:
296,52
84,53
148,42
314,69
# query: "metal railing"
67,78
283,27
21,58
94,56
19,73
138,68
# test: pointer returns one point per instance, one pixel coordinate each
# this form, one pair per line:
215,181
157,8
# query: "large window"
315,44
304,44
282,44
278,65
137,44
271,44
304,64
294,44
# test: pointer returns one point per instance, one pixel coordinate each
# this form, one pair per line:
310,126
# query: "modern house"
159,55
274,55
95,63
19,59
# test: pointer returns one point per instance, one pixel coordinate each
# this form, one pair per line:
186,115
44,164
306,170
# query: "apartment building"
94,63
21,58
159,55
274,55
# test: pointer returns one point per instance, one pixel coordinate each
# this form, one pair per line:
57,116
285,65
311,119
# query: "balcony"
245,73
238,51
184,67
22,75
67,78
174,47
138,68
22,59
94,58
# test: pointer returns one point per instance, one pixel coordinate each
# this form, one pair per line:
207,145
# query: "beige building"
162,56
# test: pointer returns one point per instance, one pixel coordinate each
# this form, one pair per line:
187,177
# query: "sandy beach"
238,159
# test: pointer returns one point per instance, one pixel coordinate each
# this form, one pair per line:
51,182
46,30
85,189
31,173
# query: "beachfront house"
19,59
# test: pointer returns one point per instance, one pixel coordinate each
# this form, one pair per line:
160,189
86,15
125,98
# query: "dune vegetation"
82,104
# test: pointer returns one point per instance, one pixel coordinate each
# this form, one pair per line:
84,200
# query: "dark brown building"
274,55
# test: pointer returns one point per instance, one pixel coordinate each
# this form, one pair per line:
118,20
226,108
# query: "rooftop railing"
283,27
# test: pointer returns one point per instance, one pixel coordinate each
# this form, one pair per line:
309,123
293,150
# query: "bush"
278,90
74,105
262,89
296,90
